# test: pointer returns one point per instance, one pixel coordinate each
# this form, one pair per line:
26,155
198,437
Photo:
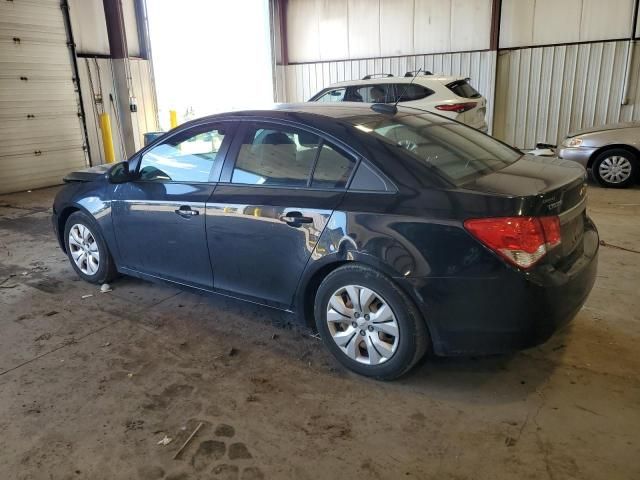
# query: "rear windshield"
455,151
462,89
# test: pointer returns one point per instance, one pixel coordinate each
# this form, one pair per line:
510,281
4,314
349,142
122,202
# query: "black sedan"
394,233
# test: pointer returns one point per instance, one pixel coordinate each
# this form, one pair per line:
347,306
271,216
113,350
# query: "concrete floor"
89,386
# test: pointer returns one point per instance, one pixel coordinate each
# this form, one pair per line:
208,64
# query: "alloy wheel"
362,324
615,169
84,249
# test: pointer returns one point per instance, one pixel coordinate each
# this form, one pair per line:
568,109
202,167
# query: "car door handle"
295,219
186,212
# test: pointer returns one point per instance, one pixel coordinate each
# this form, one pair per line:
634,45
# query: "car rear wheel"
87,250
368,323
615,168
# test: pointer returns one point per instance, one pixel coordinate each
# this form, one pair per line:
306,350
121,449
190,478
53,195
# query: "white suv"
450,96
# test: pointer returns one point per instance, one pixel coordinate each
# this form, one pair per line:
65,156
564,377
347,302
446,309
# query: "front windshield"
456,151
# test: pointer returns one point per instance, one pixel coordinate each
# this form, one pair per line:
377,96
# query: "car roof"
420,79
308,110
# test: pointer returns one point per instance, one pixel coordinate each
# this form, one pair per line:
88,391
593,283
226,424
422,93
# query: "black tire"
599,163
106,270
413,339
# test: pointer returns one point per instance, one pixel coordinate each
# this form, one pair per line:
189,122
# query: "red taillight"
456,107
523,241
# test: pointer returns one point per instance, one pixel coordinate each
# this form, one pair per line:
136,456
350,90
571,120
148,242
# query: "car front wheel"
368,323
615,168
87,250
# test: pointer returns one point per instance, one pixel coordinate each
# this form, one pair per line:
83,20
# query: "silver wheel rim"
84,249
362,324
615,169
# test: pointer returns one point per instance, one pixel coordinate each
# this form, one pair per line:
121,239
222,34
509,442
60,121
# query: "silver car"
611,152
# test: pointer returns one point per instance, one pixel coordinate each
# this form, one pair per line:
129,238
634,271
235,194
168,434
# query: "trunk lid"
544,187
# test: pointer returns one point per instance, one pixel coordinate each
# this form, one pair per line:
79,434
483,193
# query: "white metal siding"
325,30
144,120
544,93
303,81
41,137
546,22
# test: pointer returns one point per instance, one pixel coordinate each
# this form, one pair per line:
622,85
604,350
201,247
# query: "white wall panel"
432,26
396,27
89,26
303,35
544,93
546,22
556,21
601,20
470,24
364,31
131,27
333,30
516,26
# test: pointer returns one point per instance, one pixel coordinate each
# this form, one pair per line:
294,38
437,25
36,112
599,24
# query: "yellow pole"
107,138
174,118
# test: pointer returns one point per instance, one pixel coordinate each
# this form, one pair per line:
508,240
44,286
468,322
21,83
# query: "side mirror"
120,173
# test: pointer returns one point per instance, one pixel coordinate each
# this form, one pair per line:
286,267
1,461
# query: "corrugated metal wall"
96,78
546,92
297,83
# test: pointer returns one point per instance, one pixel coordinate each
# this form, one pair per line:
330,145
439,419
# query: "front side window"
189,156
335,95
278,156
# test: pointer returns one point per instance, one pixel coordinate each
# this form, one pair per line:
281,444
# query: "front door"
278,190
159,218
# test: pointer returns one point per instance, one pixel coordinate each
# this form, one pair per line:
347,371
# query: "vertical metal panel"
89,26
470,24
364,37
546,92
544,22
333,30
605,19
396,27
96,79
432,26
303,37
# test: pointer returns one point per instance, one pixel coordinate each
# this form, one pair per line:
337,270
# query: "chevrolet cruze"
392,231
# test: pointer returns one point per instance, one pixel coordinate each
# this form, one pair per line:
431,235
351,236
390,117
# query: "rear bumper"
478,316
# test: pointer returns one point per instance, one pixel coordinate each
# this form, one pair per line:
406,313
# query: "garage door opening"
210,56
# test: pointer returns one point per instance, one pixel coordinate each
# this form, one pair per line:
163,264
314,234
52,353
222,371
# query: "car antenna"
393,109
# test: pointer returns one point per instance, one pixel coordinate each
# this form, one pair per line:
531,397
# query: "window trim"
214,175
244,124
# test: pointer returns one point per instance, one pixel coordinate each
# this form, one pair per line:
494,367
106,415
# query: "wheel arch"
64,215
305,298
615,146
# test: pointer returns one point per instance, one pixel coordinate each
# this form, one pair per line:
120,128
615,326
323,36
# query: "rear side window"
278,156
335,95
380,93
406,92
463,89
333,169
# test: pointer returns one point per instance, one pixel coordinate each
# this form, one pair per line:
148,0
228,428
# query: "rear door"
279,187
159,218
